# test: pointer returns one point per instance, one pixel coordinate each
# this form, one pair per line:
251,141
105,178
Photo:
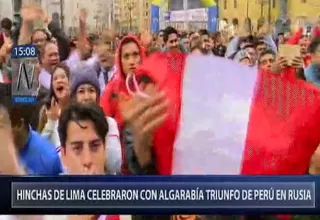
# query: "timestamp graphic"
24,80
23,51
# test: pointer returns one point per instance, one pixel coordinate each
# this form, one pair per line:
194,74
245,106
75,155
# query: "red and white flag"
233,120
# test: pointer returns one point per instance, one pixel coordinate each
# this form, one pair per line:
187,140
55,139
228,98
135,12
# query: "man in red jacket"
130,55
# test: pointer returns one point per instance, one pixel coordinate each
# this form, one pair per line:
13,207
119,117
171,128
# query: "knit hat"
242,54
84,74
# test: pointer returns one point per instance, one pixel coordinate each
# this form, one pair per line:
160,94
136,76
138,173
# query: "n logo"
26,71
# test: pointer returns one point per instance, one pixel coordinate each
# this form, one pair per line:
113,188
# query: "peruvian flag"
227,118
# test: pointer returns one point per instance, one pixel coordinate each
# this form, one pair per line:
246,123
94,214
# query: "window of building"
235,3
303,1
274,3
225,2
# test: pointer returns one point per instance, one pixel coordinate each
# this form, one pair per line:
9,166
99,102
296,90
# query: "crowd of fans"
87,119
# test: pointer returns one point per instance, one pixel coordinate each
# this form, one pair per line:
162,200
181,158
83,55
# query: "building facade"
116,12
268,9
134,15
254,9
304,8
67,13
6,9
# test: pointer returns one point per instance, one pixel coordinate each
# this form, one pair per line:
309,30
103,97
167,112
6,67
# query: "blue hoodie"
312,74
39,156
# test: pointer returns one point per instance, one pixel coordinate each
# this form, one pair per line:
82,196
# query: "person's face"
160,39
39,38
60,83
193,36
261,48
196,51
86,93
304,44
206,41
253,55
130,57
54,40
315,57
266,61
186,42
245,61
51,56
106,57
173,42
84,145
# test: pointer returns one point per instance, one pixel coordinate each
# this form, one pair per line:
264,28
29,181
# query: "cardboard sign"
289,51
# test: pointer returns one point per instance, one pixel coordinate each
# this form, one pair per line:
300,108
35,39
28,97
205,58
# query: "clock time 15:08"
23,51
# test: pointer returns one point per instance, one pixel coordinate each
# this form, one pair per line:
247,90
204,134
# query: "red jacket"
117,85
167,76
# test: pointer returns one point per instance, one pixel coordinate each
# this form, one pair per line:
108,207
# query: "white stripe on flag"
216,100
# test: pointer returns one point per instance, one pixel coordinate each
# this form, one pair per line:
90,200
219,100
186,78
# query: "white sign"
176,16
199,14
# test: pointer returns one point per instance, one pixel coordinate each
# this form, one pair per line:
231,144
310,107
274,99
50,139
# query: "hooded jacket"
117,85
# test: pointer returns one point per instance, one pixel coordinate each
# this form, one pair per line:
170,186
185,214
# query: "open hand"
32,13
144,115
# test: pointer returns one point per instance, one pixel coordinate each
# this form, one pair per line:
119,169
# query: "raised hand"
47,18
9,161
280,63
83,15
144,115
53,112
32,13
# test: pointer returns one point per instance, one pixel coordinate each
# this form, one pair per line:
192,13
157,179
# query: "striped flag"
229,119
234,121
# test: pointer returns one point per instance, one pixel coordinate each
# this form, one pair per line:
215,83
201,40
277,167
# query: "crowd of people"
93,116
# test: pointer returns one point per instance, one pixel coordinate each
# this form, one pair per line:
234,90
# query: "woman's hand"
53,113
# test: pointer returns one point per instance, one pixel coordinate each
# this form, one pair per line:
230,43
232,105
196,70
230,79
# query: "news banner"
235,195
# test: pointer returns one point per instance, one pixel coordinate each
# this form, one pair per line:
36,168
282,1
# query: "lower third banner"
160,195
